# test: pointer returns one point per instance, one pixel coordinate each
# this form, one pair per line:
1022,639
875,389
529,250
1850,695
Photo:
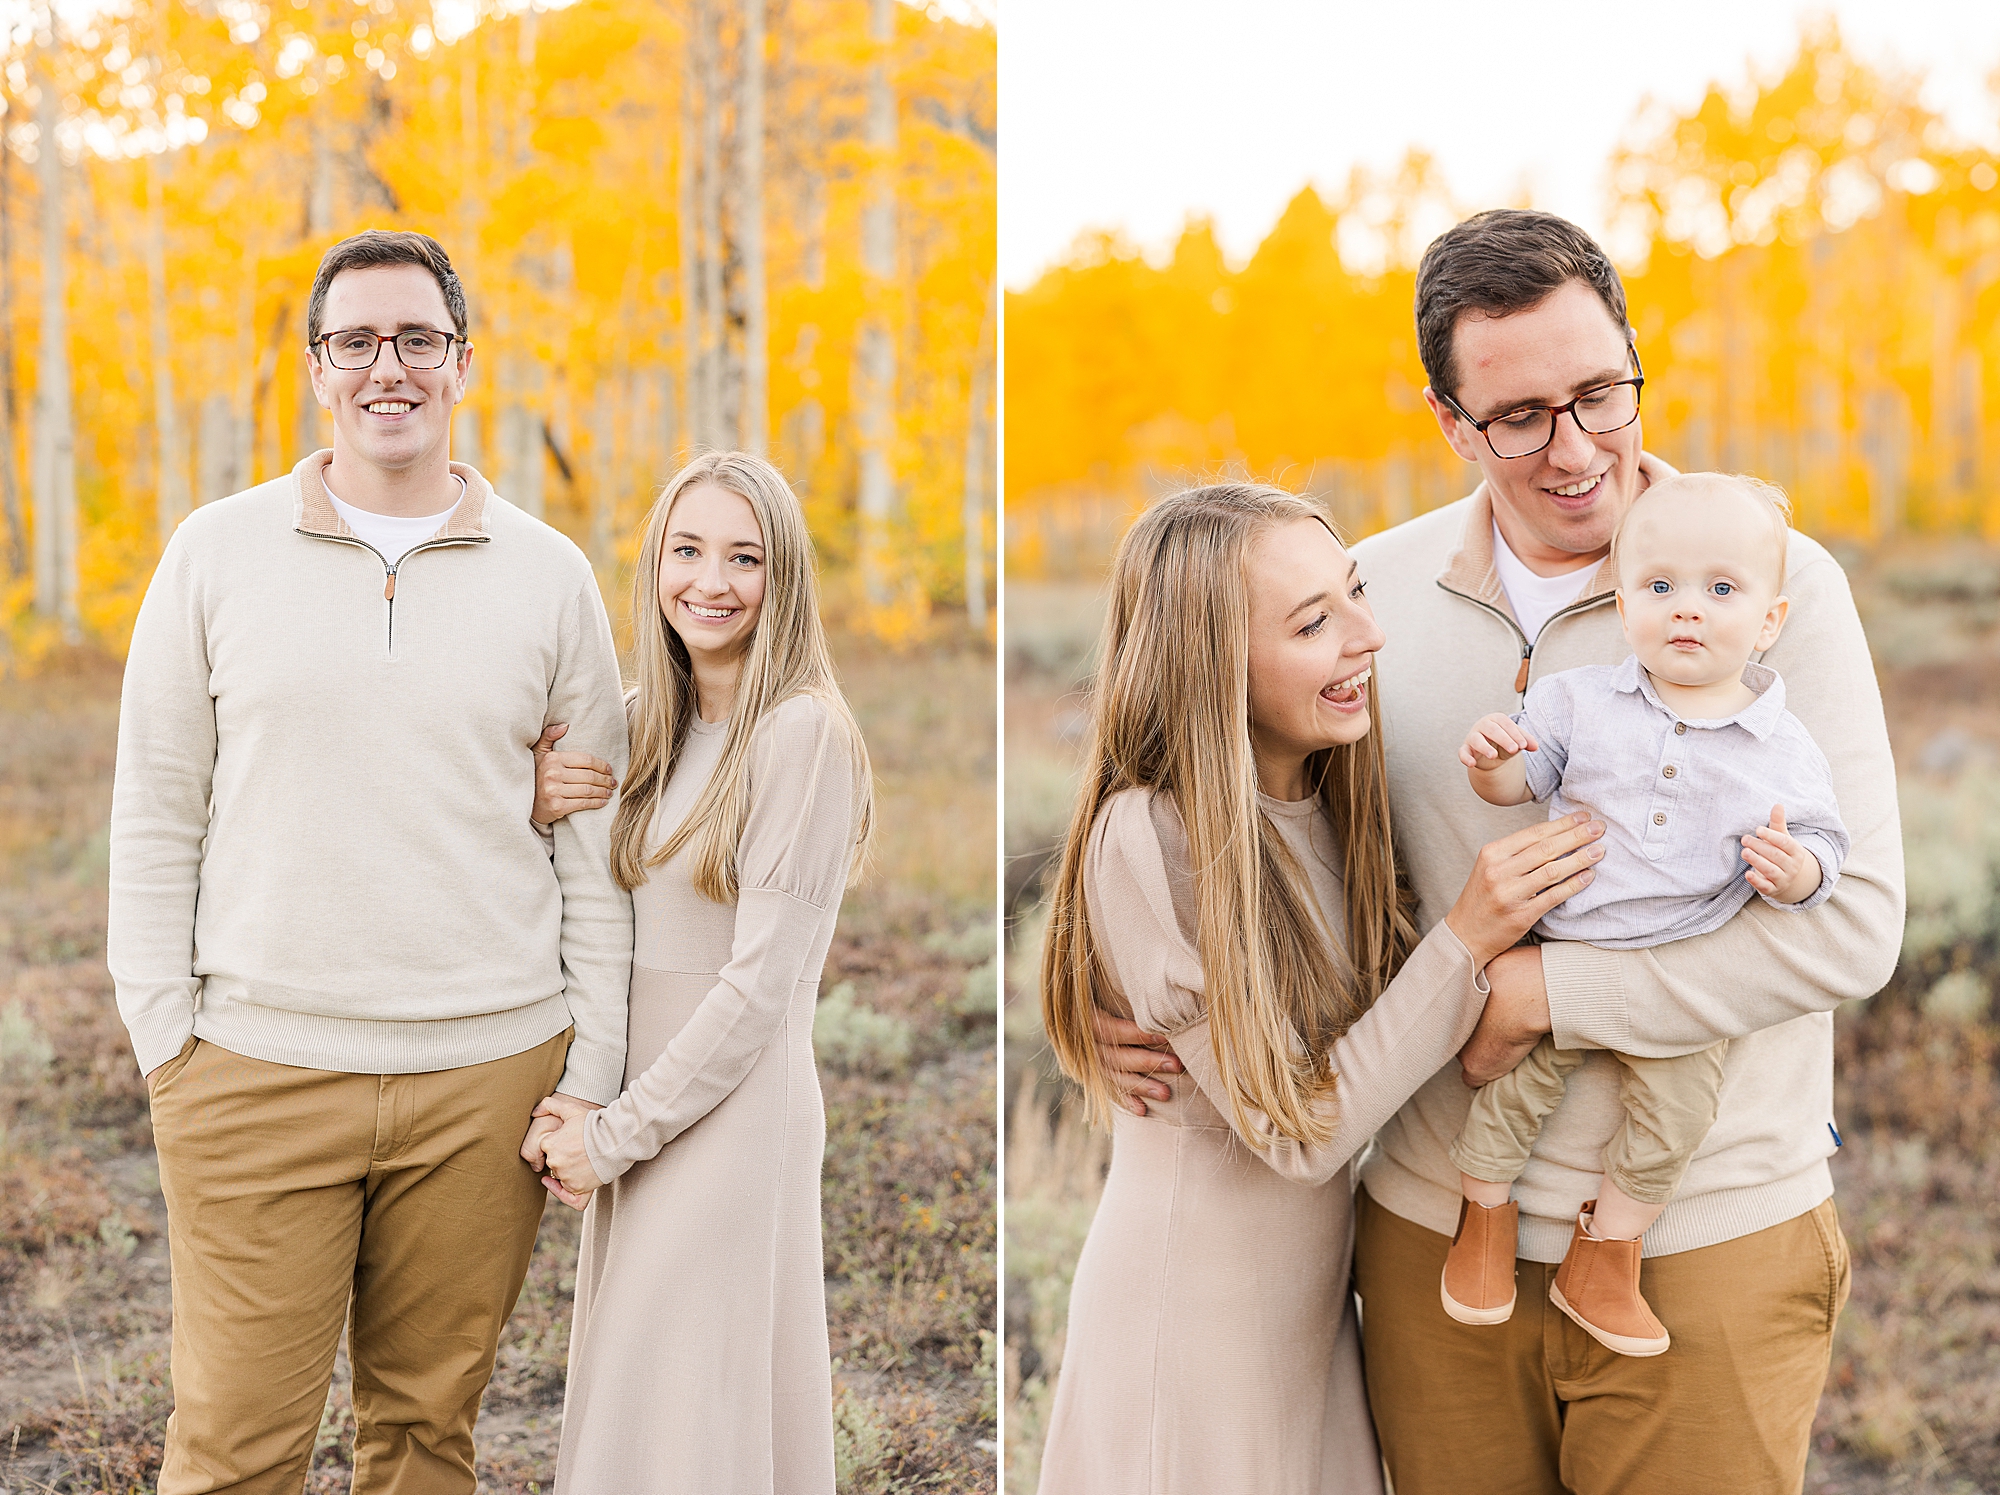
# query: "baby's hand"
1493,740
1780,868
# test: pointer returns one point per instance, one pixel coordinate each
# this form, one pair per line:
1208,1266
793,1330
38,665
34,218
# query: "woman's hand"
1135,1059
555,1142
567,782
1519,878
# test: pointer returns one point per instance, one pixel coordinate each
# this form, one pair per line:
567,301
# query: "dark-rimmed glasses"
417,347
1597,412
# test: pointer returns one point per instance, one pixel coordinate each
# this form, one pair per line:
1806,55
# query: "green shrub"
855,1039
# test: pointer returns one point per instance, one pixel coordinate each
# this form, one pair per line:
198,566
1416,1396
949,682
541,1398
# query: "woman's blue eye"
746,558
1661,588
684,551
1313,627
1359,588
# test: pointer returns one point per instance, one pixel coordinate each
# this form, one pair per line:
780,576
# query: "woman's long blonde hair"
1171,713
788,656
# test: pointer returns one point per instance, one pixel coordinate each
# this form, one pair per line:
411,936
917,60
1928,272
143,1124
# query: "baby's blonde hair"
1770,498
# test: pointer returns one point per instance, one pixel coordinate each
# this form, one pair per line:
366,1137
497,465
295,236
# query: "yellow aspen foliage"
209,153
1812,264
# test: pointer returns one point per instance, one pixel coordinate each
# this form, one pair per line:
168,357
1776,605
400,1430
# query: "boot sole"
1638,1349
1467,1315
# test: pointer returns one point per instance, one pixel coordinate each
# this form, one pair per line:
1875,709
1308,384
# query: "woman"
698,1350
1228,882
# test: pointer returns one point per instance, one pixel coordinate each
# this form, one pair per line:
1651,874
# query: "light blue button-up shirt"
1676,797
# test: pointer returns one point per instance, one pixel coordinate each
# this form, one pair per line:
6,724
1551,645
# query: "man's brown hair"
385,246
1499,262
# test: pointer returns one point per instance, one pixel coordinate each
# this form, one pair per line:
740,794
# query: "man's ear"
1461,437
1774,623
316,372
464,371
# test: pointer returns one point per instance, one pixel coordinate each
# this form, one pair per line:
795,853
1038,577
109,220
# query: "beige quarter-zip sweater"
1769,979
320,846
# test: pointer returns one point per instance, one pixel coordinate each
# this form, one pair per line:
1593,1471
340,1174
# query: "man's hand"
1515,1019
1135,1058
1780,868
567,782
555,1141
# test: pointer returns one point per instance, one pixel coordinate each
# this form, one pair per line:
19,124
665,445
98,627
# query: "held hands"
1780,868
567,782
555,1141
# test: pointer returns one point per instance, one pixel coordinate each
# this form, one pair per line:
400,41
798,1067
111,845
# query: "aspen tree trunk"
709,190
756,431
466,433
55,423
875,354
603,548
979,467
522,382
319,230
170,441
10,488
693,378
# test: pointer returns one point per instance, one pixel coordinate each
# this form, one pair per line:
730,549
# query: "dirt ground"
909,1180
1912,1402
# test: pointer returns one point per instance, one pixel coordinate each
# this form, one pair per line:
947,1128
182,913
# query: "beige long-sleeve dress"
698,1360
1212,1345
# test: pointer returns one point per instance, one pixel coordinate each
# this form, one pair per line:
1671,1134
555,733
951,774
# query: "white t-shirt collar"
1535,599
393,536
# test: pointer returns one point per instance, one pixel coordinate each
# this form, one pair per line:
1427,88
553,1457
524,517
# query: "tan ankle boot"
1598,1286
1478,1283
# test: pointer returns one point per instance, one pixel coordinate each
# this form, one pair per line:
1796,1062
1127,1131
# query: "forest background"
1813,265
680,224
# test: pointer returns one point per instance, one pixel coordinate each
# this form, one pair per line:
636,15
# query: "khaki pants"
291,1192
1669,1106
1535,1406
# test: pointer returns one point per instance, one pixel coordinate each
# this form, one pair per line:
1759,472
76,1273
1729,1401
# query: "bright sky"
1134,114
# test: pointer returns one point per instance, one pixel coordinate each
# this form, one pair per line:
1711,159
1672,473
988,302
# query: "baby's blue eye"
1724,588
1661,588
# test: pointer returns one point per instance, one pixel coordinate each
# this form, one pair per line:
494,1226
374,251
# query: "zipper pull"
389,595
1520,675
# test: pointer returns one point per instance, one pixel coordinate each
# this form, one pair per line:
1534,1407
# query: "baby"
1687,754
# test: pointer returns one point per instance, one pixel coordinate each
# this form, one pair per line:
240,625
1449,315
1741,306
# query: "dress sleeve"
1415,1027
791,866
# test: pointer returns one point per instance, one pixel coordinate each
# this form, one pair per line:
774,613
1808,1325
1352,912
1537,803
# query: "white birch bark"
55,423
170,440
10,487
756,399
875,352
979,465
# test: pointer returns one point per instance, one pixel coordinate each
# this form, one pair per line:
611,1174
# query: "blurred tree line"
1813,268
680,223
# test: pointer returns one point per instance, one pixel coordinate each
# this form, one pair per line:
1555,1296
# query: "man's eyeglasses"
417,347
1597,412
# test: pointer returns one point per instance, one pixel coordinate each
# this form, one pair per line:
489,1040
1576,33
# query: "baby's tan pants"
1669,1106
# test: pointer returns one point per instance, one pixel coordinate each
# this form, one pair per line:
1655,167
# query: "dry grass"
909,1181
1913,1398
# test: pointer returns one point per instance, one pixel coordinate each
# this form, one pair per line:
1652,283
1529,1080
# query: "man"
349,965
1519,316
